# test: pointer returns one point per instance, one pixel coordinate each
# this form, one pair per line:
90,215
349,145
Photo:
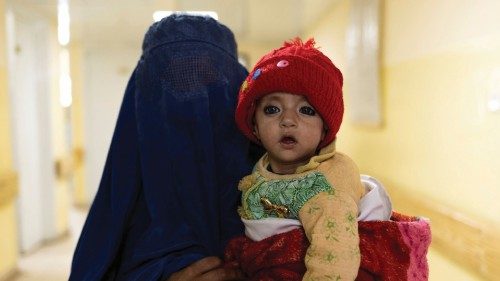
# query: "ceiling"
124,22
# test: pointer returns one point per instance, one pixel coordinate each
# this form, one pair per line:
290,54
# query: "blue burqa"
168,194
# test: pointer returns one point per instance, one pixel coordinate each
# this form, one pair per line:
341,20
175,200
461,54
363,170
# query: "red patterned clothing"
392,250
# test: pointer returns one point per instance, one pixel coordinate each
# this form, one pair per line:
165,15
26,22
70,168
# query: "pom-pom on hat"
296,68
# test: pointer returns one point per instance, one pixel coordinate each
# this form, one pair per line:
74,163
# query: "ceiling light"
158,15
63,22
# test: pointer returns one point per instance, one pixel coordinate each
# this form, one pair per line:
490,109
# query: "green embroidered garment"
323,195
283,197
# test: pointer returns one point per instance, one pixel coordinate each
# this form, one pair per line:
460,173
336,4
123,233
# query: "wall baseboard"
471,243
10,275
8,187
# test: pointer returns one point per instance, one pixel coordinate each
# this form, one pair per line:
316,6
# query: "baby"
291,104
307,214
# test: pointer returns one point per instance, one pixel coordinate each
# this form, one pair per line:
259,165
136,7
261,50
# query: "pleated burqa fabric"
168,194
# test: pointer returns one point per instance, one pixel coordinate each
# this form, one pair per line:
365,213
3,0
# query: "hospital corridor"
421,91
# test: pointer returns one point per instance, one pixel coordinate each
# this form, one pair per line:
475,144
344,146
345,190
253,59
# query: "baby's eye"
307,110
271,109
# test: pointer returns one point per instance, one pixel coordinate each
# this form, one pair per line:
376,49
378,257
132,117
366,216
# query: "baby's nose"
288,119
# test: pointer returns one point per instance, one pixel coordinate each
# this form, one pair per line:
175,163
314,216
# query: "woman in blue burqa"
167,198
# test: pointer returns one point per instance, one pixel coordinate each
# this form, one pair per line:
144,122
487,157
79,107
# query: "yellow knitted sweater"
323,195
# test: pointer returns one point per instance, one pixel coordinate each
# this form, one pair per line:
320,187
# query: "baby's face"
290,130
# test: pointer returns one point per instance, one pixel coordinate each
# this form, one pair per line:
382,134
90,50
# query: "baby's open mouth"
288,140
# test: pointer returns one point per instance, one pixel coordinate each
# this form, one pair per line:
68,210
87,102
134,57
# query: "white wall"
28,56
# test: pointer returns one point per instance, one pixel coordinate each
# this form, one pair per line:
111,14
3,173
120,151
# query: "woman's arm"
207,269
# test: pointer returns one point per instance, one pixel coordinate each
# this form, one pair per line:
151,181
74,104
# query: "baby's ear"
255,131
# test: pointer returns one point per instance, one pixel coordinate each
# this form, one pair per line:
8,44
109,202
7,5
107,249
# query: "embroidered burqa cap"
168,193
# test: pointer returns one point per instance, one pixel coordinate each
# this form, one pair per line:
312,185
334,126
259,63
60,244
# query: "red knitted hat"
296,68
